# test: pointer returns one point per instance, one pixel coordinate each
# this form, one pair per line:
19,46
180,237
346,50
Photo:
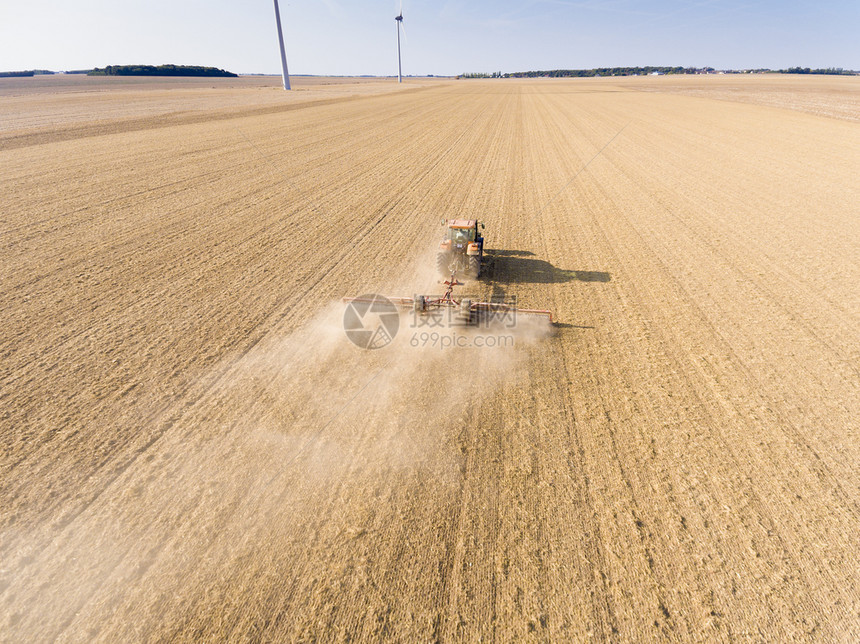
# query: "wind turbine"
398,24
286,72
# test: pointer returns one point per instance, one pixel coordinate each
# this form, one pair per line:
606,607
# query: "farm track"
191,448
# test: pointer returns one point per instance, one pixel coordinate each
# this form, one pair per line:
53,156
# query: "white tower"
286,72
398,25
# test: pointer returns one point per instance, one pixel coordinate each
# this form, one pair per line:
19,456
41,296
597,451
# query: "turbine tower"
398,24
286,72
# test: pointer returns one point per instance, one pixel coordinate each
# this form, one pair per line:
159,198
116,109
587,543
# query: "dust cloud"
282,426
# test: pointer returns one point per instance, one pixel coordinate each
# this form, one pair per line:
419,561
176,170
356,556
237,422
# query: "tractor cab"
462,249
462,235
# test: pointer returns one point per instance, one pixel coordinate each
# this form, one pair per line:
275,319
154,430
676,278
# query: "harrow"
462,311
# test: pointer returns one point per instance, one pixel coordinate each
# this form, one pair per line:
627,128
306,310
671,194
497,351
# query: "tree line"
29,72
161,70
608,71
644,71
830,71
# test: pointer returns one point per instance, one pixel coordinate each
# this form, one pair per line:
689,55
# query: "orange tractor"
460,254
462,250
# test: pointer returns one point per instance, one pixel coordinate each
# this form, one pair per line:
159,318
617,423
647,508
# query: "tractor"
462,250
460,253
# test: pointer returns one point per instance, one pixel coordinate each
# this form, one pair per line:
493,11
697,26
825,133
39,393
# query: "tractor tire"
442,264
418,304
474,267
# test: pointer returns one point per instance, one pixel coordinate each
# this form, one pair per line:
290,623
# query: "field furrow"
193,449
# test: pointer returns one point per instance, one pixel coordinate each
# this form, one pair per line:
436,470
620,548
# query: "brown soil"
192,449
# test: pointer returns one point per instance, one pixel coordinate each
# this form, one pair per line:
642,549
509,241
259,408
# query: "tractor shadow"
500,252
519,267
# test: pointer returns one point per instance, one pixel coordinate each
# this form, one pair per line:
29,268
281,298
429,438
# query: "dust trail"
288,426
284,430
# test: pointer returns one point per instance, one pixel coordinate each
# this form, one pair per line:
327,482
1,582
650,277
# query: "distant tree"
161,70
830,71
644,71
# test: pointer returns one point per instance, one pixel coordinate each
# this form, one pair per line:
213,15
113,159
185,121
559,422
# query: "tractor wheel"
418,304
474,267
442,264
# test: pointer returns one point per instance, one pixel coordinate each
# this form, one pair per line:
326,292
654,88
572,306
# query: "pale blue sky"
443,37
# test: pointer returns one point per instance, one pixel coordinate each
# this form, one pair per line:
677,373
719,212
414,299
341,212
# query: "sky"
443,37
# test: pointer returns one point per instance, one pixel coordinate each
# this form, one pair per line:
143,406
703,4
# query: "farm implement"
441,310
460,255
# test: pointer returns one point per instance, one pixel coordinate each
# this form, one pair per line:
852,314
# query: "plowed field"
193,449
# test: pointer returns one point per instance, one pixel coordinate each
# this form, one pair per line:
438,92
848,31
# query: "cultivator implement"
459,311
